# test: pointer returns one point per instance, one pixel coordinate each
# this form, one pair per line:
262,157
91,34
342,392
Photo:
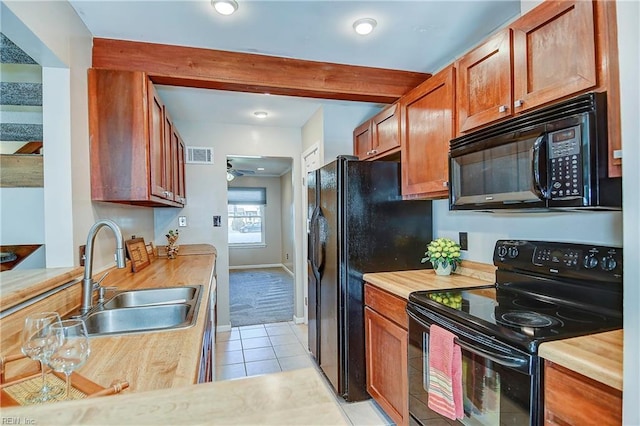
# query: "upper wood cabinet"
484,83
554,56
427,126
131,139
378,136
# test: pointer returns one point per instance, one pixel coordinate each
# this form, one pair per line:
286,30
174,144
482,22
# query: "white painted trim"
274,265
223,328
288,271
298,320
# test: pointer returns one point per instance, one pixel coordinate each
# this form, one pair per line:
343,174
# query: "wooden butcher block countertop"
402,283
297,397
150,360
597,356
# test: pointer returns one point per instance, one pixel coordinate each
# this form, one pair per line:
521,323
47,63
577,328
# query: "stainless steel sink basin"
136,311
153,296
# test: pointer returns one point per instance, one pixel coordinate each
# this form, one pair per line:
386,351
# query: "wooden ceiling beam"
244,72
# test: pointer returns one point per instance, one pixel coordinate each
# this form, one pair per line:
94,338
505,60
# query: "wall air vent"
199,155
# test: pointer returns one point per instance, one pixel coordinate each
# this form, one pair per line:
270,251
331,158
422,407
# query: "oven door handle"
507,361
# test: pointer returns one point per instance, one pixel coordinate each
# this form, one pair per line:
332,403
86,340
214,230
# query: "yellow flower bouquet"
442,252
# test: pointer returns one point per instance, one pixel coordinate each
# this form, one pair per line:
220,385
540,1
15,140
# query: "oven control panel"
560,259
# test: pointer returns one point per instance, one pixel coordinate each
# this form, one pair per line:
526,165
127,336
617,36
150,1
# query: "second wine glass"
72,350
38,343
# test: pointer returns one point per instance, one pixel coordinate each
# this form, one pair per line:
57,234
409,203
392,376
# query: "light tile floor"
269,348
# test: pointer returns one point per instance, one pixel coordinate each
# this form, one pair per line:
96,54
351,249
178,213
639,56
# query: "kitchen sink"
153,296
154,309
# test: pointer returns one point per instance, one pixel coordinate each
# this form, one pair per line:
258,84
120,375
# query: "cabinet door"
386,130
181,193
387,374
427,127
362,139
157,150
554,53
170,155
484,83
573,399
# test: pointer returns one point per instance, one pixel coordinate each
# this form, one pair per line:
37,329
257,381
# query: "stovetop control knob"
513,252
590,261
608,263
502,251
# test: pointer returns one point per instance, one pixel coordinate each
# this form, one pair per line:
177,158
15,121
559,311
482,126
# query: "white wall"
628,14
313,131
207,192
53,35
485,228
286,207
271,252
339,120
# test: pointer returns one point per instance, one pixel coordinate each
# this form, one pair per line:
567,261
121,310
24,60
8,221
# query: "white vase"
442,270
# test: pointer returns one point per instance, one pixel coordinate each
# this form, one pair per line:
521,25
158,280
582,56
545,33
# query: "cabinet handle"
374,151
166,193
502,108
518,103
445,184
368,153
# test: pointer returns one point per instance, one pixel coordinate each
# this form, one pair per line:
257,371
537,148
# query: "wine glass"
38,343
72,349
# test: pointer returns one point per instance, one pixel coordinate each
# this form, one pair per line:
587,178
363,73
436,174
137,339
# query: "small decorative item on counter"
444,255
172,248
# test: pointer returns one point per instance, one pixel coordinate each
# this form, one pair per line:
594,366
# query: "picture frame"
137,252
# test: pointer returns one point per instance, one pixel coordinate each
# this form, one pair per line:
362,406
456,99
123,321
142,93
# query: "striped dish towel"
445,374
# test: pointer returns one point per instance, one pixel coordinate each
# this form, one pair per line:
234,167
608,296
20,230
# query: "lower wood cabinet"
386,340
573,399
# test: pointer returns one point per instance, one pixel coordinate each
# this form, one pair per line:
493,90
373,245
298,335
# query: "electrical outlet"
182,221
217,221
287,255
81,252
464,242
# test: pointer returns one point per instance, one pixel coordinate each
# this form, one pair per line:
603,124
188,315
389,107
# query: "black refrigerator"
358,223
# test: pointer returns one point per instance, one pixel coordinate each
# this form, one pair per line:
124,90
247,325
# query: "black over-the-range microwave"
551,158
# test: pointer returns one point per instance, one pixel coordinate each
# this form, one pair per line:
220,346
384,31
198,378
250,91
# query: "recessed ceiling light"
364,26
260,169
261,114
225,7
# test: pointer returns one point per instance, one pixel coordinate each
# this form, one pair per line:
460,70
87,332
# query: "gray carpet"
260,296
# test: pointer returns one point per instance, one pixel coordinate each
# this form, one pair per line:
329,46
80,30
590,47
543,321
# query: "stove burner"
534,304
580,316
528,319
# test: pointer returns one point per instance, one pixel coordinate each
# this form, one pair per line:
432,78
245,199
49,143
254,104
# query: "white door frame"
313,150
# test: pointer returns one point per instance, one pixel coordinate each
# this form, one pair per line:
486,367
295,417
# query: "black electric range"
543,291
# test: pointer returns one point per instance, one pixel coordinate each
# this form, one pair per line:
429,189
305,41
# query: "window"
246,215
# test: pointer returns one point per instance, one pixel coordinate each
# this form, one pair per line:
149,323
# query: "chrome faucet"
87,281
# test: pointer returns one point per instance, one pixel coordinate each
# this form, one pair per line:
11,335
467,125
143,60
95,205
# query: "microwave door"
507,175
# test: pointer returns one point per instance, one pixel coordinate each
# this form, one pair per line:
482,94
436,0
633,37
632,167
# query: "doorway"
261,239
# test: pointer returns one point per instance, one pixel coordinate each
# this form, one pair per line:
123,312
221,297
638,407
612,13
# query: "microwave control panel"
565,163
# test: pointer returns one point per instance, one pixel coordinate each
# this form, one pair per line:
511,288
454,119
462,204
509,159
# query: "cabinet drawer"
571,398
389,305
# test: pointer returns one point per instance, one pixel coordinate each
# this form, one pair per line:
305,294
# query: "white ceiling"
415,35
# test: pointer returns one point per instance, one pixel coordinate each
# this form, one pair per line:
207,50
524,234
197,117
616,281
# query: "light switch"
182,221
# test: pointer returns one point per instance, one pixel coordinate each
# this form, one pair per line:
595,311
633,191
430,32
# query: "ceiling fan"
233,173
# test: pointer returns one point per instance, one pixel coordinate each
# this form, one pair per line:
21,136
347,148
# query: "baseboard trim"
298,320
270,265
223,328
288,271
